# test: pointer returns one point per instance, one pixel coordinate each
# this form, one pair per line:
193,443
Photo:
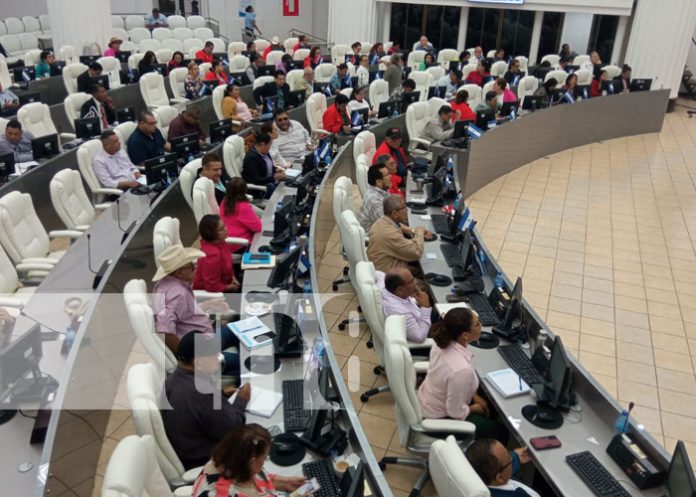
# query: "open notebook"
263,402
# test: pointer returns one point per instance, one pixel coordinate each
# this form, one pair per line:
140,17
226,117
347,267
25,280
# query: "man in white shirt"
293,141
402,296
112,166
17,142
363,72
495,465
451,82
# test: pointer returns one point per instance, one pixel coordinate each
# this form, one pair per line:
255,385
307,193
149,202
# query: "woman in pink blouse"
237,213
214,272
449,388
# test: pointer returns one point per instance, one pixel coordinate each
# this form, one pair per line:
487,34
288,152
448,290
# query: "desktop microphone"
303,244
130,227
51,335
631,405
99,274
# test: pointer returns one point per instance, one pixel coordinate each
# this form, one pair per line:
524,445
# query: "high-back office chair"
218,95
365,47
70,74
474,92
524,62
362,164
203,199
451,471
262,80
423,80
148,45
14,25
134,21
342,200
218,44
447,55
353,239
111,67
527,86
365,143
191,45
176,22
417,115
138,35
182,33
416,434
498,69
436,72
274,57
23,236
488,87
160,34
123,131
133,471
73,105
415,58
235,48
233,159
351,68
31,24
164,55
32,57
324,72
558,75
12,279
379,92
293,77
315,108
204,33
165,234
134,59
5,78
120,32
187,178
3,125
177,76
584,76
434,105
347,92
238,63
117,21
153,91
552,59
613,72
36,118
290,43
165,115
300,54
68,54
70,200
194,22
468,69
581,59
338,54
85,156
173,44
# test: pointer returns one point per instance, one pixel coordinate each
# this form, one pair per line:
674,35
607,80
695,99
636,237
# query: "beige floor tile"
672,343
379,430
677,362
678,403
637,372
598,345
597,327
594,311
565,305
643,395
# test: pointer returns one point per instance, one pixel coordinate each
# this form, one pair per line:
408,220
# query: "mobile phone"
307,489
547,442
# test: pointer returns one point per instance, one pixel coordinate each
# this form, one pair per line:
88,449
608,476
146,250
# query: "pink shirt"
450,384
243,111
509,95
214,271
417,318
175,308
109,52
243,223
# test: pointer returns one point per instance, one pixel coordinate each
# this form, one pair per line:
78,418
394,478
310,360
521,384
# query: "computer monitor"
484,117
555,96
160,69
87,127
219,130
507,108
269,106
364,117
609,87
561,376
20,358
100,80
516,80
186,146
512,312
221,56
460,128
302,183
7,166
285,269
162,170
129,76
321,87
122,56
24,73
281,223
45,147
409,98
88,59
376,75
680,480
297,98
533,102
641,84
298,64
209,87
126,114
437,91
386,109
583,91
352,482
29,97
267,70
570,69
288,340
353,82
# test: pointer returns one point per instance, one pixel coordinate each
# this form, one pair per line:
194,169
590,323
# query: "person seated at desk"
113,48
236,468
313,59
408,86
624,80
392,243
439,128
196,418
176,62
111,165
256,62
499,56
354,56
500,87
478,54
276,88
393,73
595,63
451,82
460,107
357,102
481,75
275,46
193,84
146,141
271,130
449,388
187,122
513,74
238,214
396,180
43,68
596,85
376,53
17,142
217,73
214,271
570,88
402,296
392,146
567,52
84,80
464,59
233,107
378,185
496,465
336,118
363,71
156,20
9,102
340,79
148,63
428,61
258,167
99,106
424,45
293,142
545,90
250,49
205,54
302,42
211,168
490,102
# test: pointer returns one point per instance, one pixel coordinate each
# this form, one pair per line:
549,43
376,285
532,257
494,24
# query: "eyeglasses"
282,119
502,468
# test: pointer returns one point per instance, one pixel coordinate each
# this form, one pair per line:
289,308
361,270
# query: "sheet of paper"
431,256
426,217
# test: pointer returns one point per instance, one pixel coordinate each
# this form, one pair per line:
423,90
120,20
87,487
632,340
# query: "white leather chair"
45,23
70,74
416,434
165,234
192,45
68,54
498,69
3,125
153,91
584,76
85,156
233,159
300,54
581,59
235,48
436,72
123,131
205,68
475,95
324,72
362,164
177,77
347,92
274,57
612,71
187,177
423,80
262,80
289,43
165,115
32,57
238,63
134,21
194,22
13,294
3,28
468,69
379,92
133,471
365,47
164,55
134,59
173,44
218,43
111,67
527,86
161,34
365,143
182,33
204,199
203,33
261,44
23,236
14,26
524,62
316,106
36,118
447,55
117,21
417,114
552,59
353,239
415,58
137,35
293,77
451,471
70,200
559,75
5,78
338,54
148,45
176,22
13,47
128,46
342,201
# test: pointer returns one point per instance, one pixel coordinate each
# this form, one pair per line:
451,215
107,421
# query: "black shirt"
90,109
255,171
270,89
84,82
142,147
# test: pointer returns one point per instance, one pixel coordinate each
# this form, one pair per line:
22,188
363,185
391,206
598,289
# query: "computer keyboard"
324,472
483,308
595,475
441,224
295,416
451,253
520,363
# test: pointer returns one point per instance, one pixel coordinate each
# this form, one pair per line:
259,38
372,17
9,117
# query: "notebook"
252,332
263,402
507,383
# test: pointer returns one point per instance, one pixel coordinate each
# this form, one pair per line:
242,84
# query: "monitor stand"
543,416
6,415
262,364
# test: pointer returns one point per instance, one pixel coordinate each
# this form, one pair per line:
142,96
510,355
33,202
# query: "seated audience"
197,418
460,107
84,81
238,214
111,165
357,102
188,122
596,85
336,118
451,82
113,48
354,56
378,185
43,68
464,60
255,64
624,85
313,59
395,48
307,82
496,466
276,88
100,106
301,43
340,80
376,53
439,128
449,388
402,296
271,130
285,64
258,167
156,20
570,88
177,61
217,73
392,146
9,102
408,86
234,107
17,142
428,61
513,74
481,75
148,63
478,54
499,56
500,87
396,180
236,468
391,242
545,90
393,73
250,49
425,45
146,141
275,46
193,84
567,52
205,54
214,271
211,168
490,102
363,71
293,142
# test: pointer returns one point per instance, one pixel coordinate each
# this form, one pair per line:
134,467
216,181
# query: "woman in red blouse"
238,214
217,72
214,272
596,87
462,111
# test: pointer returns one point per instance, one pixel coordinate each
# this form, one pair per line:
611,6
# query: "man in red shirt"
481,75
392,146
394,186
274,46
301,43
336,118
206,53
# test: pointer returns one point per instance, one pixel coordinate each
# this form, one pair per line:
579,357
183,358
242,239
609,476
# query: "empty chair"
338,54
148,44
123,131
182,33
3,28
134,59
73,105
235,48
353,241
117,22
300,54
134,22
68,54
85,157
613,72
5,78
362,164
137,35
173,44
177,76
581,59
415,58
436,72
552,59
498,69
165,234
365,143
238,63
315,108
161,34
293,78
12,45
527,86
194,22
70,74
451,471
13,294
70,200
379,92
584,76
111,67
153,91
274,57
191,46
524,62
218,44
36,118
31,24
164,55
323,72
164,114
558,75
423,80
175,21
261,44
290,43
203,34
14,26
128,46
447,55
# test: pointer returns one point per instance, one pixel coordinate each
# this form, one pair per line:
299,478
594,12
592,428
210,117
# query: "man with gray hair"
111,165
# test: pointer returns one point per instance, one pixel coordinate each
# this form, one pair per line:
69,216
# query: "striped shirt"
210,483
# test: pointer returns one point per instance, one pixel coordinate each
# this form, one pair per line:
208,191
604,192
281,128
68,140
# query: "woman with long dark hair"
237,213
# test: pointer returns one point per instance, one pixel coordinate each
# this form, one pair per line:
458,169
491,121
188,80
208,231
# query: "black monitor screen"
680,481
25,73
386,109
560,374
19,358
122,56
88,59
102,80
363,119
533,102
7,165
409,98
460,128
437,91
508,107
219,130
29,97
267,70
45,147
87,127
284,268
126,114
641,84
161,170
353,482
297,98
513,308
186,145
484,117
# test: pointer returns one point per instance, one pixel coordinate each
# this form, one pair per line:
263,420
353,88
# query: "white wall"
691,59
576,31
131,6
22,8
608,7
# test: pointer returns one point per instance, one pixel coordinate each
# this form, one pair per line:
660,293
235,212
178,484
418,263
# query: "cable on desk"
22,413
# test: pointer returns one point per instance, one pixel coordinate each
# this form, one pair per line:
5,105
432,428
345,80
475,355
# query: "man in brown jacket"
393,243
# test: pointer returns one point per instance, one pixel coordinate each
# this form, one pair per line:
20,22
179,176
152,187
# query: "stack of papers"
507,383
263,402
252,332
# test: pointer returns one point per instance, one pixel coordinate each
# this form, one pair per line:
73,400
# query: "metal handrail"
315,40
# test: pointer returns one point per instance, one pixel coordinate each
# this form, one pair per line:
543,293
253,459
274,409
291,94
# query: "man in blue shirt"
340,79
146,142
156,20
250,22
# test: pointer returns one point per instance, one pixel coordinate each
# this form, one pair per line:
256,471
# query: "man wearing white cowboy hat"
114,47
274,46
175,307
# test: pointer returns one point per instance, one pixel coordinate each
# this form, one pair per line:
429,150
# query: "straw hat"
173,258
114,39
275,40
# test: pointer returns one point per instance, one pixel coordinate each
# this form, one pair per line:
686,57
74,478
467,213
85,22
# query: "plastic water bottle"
621,424
499,281
482,257
318,349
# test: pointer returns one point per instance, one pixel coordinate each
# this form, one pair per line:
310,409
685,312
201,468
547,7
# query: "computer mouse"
265,249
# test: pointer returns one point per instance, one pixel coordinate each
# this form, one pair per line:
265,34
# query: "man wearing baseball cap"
175,307
194,423
392,146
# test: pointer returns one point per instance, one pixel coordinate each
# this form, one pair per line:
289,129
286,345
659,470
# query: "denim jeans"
228,339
